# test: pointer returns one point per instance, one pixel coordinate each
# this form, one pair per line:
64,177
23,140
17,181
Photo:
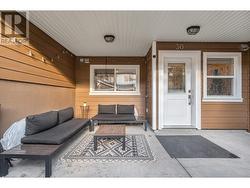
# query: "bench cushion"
114,117
58,134
106,109
65,114
40,122
125,109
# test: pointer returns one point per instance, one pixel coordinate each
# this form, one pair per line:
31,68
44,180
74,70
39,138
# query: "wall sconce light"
109,38
52,60
16,41
43,59
84,60
30,53
58,57
13,40
244,47
193,30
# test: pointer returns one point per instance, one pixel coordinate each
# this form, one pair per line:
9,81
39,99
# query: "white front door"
177,91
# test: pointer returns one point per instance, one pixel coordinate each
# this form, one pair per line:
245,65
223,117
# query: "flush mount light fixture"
193,30
109,38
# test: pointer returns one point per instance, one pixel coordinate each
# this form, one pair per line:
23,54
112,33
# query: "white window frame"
92,84
237,77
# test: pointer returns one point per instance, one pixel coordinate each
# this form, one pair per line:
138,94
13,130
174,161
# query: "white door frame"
196,84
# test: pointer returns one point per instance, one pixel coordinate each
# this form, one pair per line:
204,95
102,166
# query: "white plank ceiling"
82,31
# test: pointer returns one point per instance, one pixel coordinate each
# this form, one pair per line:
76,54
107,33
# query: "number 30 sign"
179,46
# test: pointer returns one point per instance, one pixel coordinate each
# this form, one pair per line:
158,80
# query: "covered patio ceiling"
82,31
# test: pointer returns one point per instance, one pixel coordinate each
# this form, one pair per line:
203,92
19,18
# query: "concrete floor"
237,142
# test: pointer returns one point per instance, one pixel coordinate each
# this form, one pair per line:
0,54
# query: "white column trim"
154,91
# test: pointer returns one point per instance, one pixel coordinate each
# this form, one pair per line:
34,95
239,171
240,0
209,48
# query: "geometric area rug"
193,146
137,149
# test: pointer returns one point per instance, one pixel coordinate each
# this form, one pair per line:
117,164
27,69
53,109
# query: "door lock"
189,100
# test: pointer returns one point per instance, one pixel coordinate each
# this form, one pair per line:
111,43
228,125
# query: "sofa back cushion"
40,122
125,109
106,109
65,114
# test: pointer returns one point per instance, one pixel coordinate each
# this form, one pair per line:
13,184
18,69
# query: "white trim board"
196,82
154,82
237,77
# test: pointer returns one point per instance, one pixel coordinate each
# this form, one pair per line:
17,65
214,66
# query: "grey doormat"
137,149
193,146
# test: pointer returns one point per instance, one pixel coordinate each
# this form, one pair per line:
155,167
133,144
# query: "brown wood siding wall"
17,65
149,86
82,85
19,100
28,85
220,115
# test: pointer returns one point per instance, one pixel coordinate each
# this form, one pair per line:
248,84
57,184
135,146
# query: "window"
222,77
114,79
176,77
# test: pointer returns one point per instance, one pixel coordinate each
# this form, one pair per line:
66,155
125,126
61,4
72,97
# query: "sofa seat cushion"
40,122
114,117
58,134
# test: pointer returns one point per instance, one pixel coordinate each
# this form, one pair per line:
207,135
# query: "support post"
95,143
3,166
48,167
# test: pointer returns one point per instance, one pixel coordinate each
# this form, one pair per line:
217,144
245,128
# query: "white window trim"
237,97
93,92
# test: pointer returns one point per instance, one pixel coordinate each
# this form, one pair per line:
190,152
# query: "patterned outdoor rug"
137,149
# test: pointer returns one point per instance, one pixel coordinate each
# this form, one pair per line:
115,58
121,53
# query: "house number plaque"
179,46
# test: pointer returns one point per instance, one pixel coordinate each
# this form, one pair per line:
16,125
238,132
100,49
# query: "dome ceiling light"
193,30
109,38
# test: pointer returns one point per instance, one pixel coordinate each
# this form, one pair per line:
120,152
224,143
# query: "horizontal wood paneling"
17,65
82,85
30,86
202,46
19,100
218,115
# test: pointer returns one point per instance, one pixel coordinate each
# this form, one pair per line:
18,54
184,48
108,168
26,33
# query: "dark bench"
30,151
46,134
117,114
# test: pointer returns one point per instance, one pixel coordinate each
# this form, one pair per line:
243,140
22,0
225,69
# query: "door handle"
189,99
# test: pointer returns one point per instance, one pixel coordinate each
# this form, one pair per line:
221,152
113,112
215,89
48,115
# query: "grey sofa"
117,114
54,127
45,135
